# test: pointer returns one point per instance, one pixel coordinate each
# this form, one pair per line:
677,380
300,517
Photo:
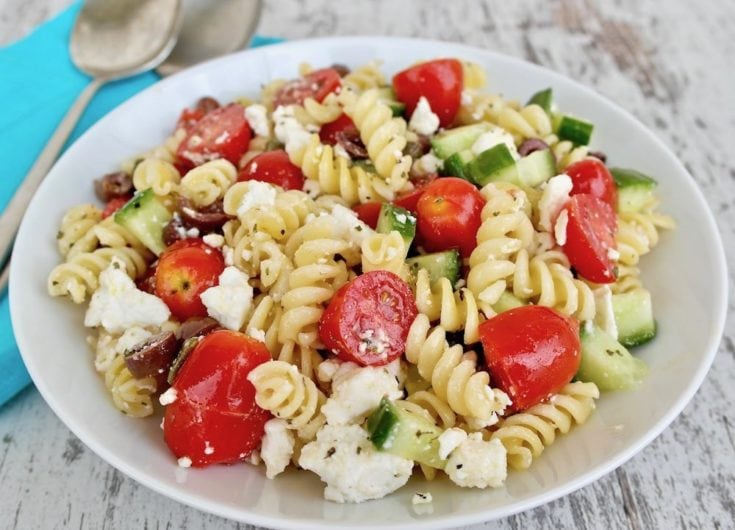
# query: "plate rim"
245,515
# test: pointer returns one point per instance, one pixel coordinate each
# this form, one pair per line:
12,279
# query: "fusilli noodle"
204,184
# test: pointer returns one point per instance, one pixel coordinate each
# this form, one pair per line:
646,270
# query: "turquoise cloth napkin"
38,84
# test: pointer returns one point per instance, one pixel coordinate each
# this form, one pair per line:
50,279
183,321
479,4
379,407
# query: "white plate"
686,274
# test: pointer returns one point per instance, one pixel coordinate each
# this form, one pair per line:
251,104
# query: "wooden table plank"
668,63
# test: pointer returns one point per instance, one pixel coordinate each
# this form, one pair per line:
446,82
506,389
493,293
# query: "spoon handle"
19,203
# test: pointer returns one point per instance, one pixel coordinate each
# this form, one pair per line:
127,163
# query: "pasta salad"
363,277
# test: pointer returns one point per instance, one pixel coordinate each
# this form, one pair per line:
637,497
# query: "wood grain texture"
669,63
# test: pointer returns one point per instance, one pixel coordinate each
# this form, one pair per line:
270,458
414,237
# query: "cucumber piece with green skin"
394,217
507,301
402,433
498,165
145,216
536,167
607,363
446,143
635,190
457,165
576,130
544,99
634,317
439,265
387,96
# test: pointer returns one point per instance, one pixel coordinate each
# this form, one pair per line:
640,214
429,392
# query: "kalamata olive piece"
147,282
184,352
207,104
342,69
175,230
113,185
532,145
599,155
418,148
350,140
196,327
153,357
207,219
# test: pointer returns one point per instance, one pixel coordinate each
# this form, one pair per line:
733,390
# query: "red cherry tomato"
114,205
449,215
274,167
315,85
410,200
215,419
590,236
221,133
329,131
185,270
189,118
531,352
439,81
592,176
367,321
368,213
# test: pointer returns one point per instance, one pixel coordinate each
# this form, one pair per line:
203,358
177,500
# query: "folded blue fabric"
38,84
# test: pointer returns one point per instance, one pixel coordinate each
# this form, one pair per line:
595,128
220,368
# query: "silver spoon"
111,39
212,28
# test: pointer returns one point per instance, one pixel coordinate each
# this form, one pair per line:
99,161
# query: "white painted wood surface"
670,63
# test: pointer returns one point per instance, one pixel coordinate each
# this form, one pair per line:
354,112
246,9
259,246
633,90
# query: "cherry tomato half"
185,270
439,81
590,236
449,215
274,167
221,133
329,132
367,321
592,176
410,200
368,213
214,419
531,352
316,85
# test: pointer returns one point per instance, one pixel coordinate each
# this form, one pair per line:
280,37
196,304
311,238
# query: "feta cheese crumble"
229,302
257,117
553,198
477,463
118,304
429,163
354,471
449,440
277,447
208,449
421,498
341,152
214,240
493,137
184,461
258,194
560,228
289,130
604,315
357,391
423,120
353,228
168,397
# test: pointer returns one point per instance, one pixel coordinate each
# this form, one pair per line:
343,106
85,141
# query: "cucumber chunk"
451,141
544,99
145,216
575,130
405,434
496,163
457,165
388,97
537,167
635,190
507,301
634,317
394,217
439,265
607,363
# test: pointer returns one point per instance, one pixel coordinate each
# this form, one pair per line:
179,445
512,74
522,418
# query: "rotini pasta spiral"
365,77
566,152
473,76
289,395
165,151
383,135
315,113
546,279
452,374
159,175
504,231
454,309
638,234
385,252
477,107
131,396
526,434
79,276
114,235
75,234
336,177
204,184
529,122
